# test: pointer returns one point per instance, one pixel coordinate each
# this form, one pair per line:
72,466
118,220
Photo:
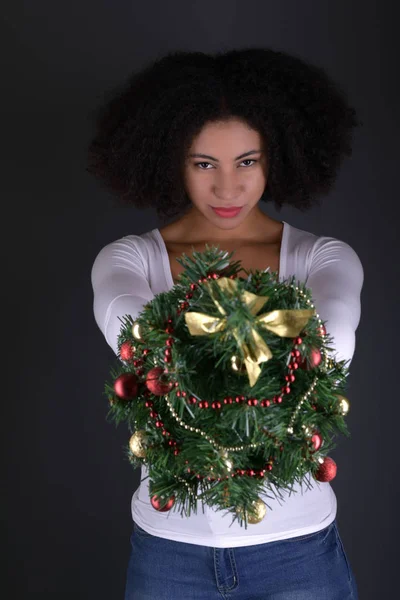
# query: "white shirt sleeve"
120,286
336,278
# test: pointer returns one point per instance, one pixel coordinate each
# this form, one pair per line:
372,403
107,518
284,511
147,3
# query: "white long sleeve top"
130,271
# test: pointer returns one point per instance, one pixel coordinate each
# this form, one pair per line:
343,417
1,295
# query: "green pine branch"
202,367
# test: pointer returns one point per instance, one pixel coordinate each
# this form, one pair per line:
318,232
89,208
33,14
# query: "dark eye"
248,160
203,163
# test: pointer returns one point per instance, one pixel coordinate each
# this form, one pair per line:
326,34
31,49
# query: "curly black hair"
145,127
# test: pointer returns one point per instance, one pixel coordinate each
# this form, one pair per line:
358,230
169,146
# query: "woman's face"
232,171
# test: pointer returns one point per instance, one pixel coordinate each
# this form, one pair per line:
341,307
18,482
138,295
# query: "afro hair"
145,127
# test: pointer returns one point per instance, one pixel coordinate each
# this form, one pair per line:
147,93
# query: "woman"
205,139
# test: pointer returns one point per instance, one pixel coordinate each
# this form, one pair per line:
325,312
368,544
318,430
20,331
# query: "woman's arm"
119,285
336,276
336,279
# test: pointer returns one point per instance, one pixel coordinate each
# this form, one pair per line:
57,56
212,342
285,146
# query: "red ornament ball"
316,440
162,506
126,351
315,357
154,383
327,470
126,386
313,361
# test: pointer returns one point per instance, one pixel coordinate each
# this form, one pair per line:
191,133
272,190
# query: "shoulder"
337,254
131,251
321,251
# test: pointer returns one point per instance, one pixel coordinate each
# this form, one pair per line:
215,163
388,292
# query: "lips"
227,212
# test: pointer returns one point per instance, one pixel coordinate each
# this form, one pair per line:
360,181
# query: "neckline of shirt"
167,266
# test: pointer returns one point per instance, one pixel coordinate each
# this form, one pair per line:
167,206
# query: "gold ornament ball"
226,460
228,464
136,331
259,511
137,444
344,404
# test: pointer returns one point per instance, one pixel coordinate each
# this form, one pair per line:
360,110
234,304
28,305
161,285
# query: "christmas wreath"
227,388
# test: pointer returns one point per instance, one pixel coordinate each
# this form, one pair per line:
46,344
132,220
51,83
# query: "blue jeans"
308,567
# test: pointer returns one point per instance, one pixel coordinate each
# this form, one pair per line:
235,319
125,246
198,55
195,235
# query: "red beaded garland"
296,362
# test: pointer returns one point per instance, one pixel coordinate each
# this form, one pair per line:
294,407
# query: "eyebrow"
216,159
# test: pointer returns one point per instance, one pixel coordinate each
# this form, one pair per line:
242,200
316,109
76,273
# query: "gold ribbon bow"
284,322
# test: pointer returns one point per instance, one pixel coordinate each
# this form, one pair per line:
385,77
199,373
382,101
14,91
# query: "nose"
227,187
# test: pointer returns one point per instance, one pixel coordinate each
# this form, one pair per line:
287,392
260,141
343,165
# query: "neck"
258,226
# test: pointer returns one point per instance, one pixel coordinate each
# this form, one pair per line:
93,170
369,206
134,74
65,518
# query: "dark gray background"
66,488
